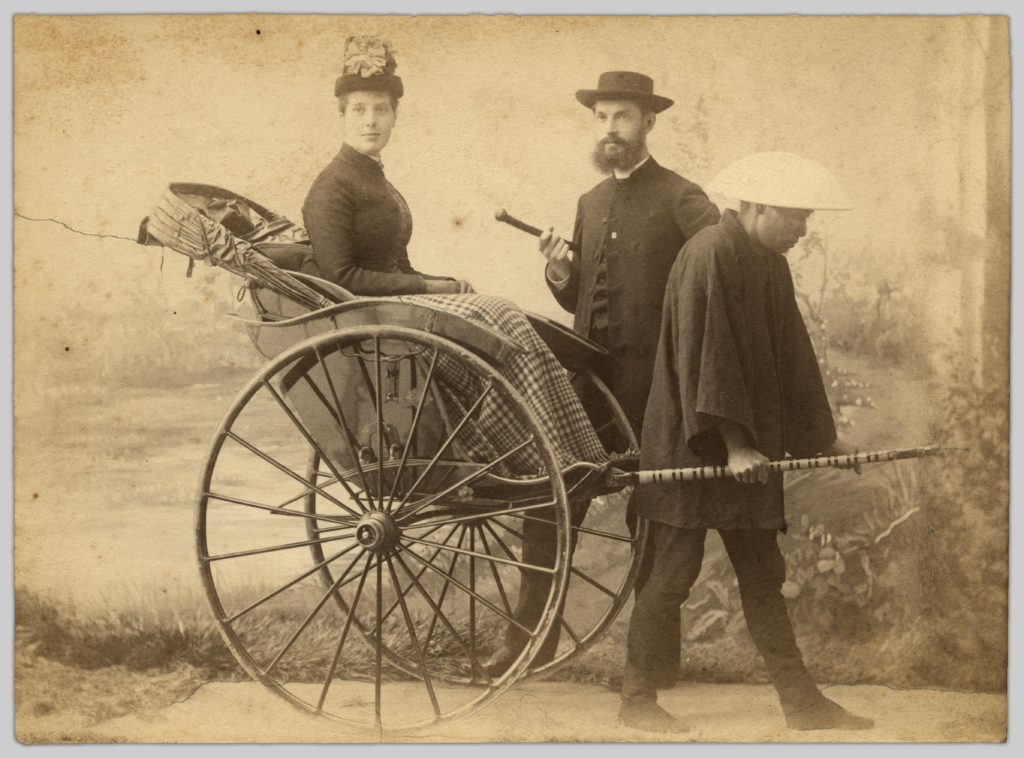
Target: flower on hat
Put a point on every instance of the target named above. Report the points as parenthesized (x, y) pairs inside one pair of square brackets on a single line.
[(368, 55)]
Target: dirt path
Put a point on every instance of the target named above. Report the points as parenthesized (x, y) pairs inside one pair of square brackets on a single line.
[(566, 712)]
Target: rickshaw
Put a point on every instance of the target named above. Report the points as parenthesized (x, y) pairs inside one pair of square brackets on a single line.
[(360, 533), (374, 495)]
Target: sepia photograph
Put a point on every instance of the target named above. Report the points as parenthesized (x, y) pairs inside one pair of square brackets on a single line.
[(511, 379)]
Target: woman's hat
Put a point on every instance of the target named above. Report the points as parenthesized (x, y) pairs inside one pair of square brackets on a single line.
[(369, 65), (785, 180), (624, 85)]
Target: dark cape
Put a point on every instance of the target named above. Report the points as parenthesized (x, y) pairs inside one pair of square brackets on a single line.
[(734, 346)]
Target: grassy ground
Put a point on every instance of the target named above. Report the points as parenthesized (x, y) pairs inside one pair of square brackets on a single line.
[(55, 701)]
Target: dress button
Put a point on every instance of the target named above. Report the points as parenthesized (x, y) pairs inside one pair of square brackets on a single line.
[(615, 235)]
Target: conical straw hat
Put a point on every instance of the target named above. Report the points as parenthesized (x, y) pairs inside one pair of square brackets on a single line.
[(785, 180)]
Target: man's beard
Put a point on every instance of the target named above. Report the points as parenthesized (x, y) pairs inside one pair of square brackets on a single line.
[(619, 160)]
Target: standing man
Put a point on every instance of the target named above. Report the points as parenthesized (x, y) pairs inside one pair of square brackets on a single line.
[(736, 383), (630, 228)]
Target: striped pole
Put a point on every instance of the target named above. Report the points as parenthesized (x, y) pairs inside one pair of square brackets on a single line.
[(698, 473)]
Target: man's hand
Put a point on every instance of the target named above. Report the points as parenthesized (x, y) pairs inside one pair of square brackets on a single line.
[(556, 250), (747, 465), (465, 288), (843, 447)]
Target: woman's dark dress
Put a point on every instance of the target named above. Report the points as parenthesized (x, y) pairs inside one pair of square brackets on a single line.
[(359, 227)]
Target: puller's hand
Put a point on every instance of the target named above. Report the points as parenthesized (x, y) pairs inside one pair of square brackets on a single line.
[(747, 465), (844, 447)]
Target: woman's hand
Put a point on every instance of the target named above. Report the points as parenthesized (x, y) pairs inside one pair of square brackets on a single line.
[(448, 287), (556, 250), (441, 286)]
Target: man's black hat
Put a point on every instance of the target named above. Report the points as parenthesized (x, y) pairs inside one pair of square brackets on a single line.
[(624, 85)]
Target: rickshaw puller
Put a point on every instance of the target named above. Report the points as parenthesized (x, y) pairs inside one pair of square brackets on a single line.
[(736, 383)]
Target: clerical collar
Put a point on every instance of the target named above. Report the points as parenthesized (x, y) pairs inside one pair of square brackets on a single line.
[(626, 174)]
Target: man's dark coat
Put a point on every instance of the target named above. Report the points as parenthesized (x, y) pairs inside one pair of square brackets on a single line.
[(658, 211)]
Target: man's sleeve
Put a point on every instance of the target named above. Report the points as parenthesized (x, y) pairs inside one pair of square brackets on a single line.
[(567, 293), (327, 215), (694, 210), (708, 365)]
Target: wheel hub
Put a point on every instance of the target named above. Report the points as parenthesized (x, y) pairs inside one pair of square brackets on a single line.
[(377, 532)]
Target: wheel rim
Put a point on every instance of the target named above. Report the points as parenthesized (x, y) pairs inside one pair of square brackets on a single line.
[(410, 570)]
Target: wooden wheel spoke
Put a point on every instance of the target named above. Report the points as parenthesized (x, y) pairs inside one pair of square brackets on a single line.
[(379, 407), (350, 439), (288, 472), (472, 589), (425, 390), (482, 517), (484, 601), (415, 642), (342, 520), (444, 588), (461, 483), (309, 618), (494, 572), (344, 632), (275, 548), (575, 571), (291, 583), (474, 662), (580, 529), (499, 540), (593, 582), (487, 557), (419, 574), (448, 441), (316, 446), (572, 634), (379, 647)]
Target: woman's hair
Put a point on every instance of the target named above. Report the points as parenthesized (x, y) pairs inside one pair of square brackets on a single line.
[(343, 101)]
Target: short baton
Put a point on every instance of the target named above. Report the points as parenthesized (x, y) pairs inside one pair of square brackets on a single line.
[(522, 226)]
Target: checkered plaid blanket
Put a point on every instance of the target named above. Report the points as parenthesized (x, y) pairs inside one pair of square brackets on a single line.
[(535, 373)]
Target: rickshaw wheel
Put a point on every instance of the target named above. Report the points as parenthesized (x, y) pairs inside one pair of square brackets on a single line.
[(607, 548), (413, 542)]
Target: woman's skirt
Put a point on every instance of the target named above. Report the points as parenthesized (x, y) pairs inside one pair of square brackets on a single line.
[(535, 373)]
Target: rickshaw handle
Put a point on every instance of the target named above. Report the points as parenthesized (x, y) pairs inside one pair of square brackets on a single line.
[(660, 476)]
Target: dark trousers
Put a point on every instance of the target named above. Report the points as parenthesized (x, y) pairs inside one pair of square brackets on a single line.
[(671, 565), (539, 548)]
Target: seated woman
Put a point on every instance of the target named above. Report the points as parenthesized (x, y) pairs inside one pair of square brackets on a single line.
[(359, 227)]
